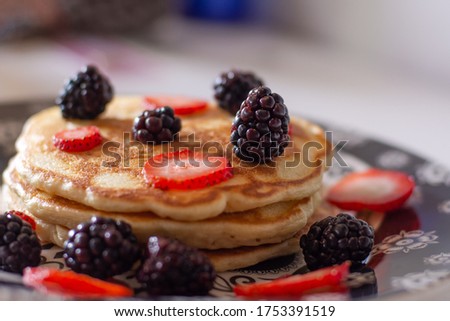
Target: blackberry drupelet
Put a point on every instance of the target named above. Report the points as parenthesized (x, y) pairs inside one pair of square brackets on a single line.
[(172, 268), (19, 244), (85, 96), (232, 87), (260, 129), (334, 240), (158, 126), (101, 248)]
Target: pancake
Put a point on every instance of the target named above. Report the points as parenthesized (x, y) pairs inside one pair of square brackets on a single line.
[(91, 178), (273, 223), (222, 259), (232, 259), (225, 260)]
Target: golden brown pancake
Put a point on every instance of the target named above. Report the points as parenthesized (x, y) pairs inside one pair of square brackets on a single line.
[(85, 178), (273, 223), (222, 259)]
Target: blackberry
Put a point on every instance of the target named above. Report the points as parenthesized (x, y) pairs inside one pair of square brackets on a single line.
[(172, 268), (334, 240), (232, 87), (260, 129), (158, 126), (101, 248), (19, 244), (85, 96)]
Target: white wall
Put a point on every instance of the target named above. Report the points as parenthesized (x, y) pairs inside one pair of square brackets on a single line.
[(413, 35)]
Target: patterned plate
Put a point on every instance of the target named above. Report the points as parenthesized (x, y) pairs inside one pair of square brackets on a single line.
[(412, 251)]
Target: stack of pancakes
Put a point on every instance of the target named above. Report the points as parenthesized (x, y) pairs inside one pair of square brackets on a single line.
[(256, 215)]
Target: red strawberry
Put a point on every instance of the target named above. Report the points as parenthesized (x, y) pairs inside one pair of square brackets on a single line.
[(77, 140), (186, 170), (329, 279), (69, 283), (374, 189), (24, 217), (180, 105)]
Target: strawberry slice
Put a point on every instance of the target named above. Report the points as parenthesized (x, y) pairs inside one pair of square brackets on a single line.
[(77, 140), (329, 279), (374, 190), (69, 283), (186, 170), (181, 105), (24, 217)]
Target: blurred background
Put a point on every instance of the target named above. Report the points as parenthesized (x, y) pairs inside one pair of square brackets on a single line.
[(380, 67)]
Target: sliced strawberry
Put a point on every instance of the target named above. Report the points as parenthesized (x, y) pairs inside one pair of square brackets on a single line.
[(186, 170), (329, 279), (374, 190), (181, 105), (69, 283), (77, 140), (24, 217)]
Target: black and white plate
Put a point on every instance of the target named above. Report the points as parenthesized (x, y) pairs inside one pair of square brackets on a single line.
[(412, 252)]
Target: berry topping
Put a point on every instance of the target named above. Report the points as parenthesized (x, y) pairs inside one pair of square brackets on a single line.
[(77, 140), (69, 283), (85, 96), (374, 189), (180, 105), (173, 268), (334, 240), (157, 126), (330, 279), (101, 248), (186, 170), (19, 244), (24, 217), (260, 129), (231, 88)]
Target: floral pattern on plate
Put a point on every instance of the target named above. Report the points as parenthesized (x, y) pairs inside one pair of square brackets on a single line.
[(444, 207), (437, 259), (393, 159), (433, 174), (419, 280), (405, 242)]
